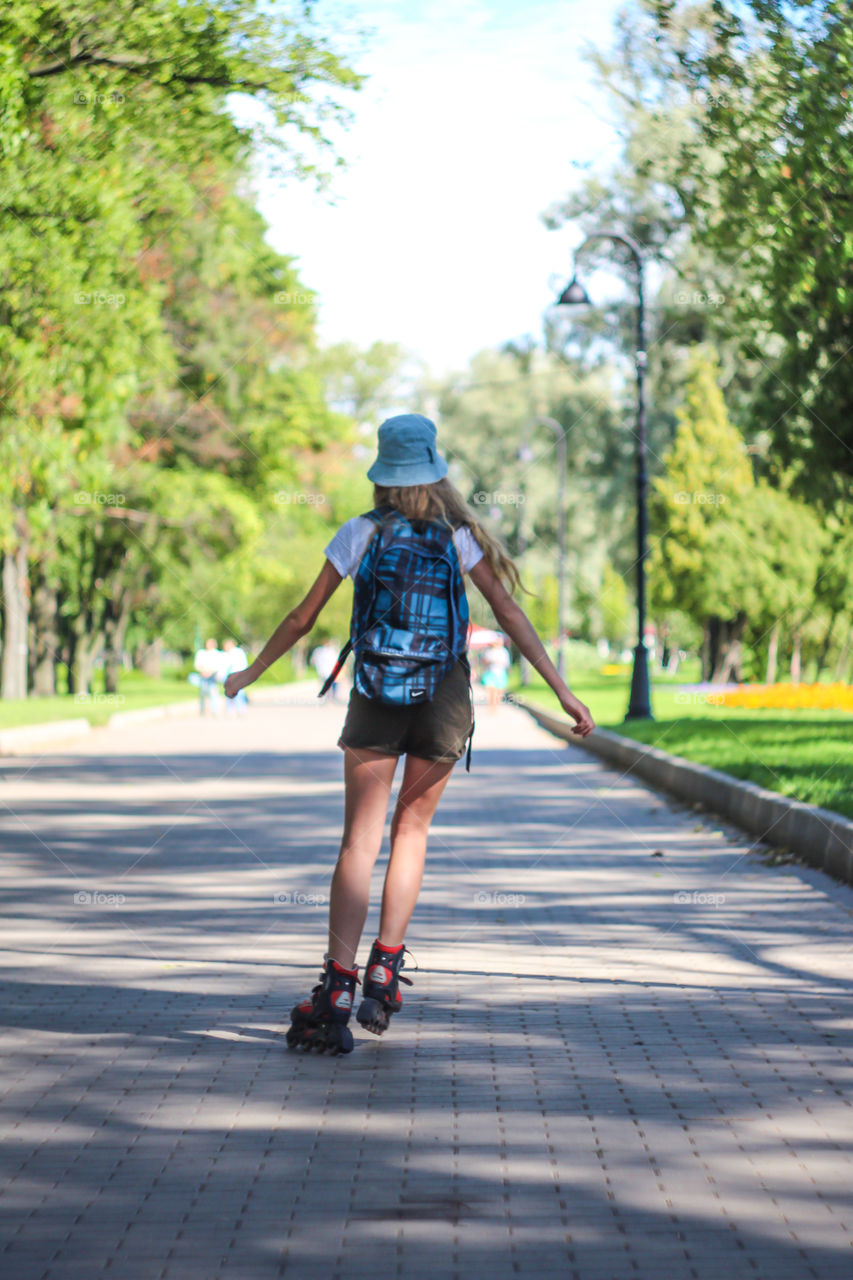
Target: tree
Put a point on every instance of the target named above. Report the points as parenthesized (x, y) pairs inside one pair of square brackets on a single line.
[(363, 383), (696, 521), (833, 595), (777, 574), (615, 607), (722, 548), (659, 114), (721, 112), (117, 150), (777, 79), (505, 461)]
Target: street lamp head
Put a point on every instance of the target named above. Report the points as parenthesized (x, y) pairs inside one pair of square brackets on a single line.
[(574, 295)]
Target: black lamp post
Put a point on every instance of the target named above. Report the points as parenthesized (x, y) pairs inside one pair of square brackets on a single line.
[(639, 705)]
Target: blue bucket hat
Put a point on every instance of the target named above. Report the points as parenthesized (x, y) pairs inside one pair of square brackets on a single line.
[(407, 453)]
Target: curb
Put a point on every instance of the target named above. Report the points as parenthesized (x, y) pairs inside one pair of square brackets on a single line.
[(18, 742), (820, 837), (125, 719)]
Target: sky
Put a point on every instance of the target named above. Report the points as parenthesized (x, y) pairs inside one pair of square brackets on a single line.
[(477, 116)]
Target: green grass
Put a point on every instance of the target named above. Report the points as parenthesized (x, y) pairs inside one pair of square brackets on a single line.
[(807, 755), (135, 692)]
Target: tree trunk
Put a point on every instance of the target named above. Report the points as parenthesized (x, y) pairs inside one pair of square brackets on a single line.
[(843, 657), (16, 602), (87, 649), (732, 664), (112, 660), (715, 645), (150, 658), (772, 654), (116, 619), (710, 637), (45, 640), (69, 660), (796, 658), (825, 647), (729, 650)]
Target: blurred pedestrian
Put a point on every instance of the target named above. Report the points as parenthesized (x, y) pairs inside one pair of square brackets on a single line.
[(323, 661), (234, 659), (495, 671), (208, 665)]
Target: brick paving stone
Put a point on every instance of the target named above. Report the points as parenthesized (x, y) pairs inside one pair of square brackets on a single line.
[(610, 1067)]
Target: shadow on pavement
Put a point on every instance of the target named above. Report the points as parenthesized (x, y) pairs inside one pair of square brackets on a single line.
[(161, 1124)]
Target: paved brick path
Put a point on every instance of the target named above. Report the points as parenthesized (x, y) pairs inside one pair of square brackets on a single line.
[(612, 1064)]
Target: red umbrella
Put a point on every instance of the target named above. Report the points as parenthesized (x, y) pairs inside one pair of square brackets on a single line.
[(481, 637)]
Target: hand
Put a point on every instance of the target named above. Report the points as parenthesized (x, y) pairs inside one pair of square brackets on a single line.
[(237, 681), (584, 723)]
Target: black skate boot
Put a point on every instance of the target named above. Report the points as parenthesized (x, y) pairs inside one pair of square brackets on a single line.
[(380, 986), (320, 1020)]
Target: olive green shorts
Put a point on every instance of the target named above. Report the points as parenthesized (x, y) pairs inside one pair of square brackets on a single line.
[(435, 730)]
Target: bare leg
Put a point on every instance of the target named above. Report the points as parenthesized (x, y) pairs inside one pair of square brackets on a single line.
[(368, 776), (423, 783)]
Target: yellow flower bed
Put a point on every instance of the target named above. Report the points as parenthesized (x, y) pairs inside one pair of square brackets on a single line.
[(789, 697), (616, 669)]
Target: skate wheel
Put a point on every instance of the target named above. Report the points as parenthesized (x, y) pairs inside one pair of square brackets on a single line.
[(341, 1040), (295, 1036), (327, 1037), (373, 1016)]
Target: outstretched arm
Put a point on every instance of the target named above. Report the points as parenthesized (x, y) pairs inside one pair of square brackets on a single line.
[(297, 624), (512, 619)]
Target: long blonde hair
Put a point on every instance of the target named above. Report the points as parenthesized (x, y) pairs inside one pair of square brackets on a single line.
[(442, 501)]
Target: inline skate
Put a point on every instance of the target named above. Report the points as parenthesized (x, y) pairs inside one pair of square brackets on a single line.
[(381, 987), (320, 1020)]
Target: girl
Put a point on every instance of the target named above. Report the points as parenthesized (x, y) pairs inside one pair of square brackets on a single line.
[(409, 481)]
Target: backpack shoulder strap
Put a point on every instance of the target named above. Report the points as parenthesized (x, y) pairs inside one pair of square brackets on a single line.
[(378, 516)]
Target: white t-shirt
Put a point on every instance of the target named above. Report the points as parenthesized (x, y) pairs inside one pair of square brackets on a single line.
[(323, 659), (350, 542), (497, 657), (234, 660), (208, 663)]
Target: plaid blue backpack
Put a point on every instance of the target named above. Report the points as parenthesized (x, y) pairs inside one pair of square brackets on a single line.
[(410, 612)]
